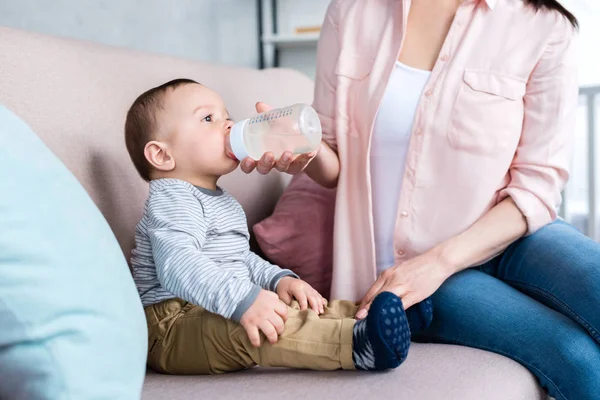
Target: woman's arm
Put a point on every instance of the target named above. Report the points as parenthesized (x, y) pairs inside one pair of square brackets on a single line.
[(325, 167), (539, 170), (487, 238), (540, 167), (419, 277)]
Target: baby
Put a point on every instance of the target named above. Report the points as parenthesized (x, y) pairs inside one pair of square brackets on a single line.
[(208, 298)]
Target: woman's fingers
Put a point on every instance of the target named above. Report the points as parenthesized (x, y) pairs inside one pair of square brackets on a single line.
[(400, 291), (363, 310), (265, 165), (300, 162), (409, 300), (284, 162), (262, 107), (366, 301), (248, 165)]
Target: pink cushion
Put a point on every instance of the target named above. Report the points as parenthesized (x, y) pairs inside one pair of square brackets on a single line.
[(299, 234)]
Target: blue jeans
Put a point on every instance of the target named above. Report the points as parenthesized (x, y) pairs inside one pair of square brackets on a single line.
[(537, 303)]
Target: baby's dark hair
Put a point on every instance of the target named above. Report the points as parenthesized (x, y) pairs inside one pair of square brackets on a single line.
[(141, 124)]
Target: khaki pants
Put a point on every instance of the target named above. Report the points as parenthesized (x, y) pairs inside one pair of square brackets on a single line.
[(187, 339)]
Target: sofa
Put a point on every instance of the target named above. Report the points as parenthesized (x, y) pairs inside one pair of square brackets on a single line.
[(75, 95)]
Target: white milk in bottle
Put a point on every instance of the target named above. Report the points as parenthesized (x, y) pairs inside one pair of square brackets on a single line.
[(296, 129)]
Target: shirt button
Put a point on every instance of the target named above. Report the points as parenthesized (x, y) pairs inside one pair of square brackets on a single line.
[(444, 58), (400, 252), (419, 131), (429, 93), (404, 214)]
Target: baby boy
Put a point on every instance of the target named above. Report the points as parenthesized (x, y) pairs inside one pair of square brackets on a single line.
[(209, 300)]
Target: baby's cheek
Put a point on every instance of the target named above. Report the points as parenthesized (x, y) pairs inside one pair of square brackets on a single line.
[(209, 148)]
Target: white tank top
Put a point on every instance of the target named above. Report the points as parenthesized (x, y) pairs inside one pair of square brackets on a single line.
[(389, 146)]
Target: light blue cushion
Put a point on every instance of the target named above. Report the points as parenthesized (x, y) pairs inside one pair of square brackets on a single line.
[(71, 323)]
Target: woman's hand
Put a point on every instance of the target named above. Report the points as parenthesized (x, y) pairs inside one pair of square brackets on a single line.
[(418, 278), (412, 281), (285, 163)]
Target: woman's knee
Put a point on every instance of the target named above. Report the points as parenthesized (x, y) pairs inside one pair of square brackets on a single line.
[(570, 264), (562, 239)]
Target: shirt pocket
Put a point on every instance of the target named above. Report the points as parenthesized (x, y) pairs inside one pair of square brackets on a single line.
[(352, 74), (487, 115)]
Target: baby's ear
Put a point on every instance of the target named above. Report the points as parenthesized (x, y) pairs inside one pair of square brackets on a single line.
[(159, 156)]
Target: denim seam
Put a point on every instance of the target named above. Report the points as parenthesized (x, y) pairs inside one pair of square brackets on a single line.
[(525, 363), (562, 305)]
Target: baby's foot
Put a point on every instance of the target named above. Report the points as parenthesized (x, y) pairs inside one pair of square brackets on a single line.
[(420, 315), (381, 341)]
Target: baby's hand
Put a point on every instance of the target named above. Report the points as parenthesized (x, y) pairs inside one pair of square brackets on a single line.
[(289, 288), (267, 314)]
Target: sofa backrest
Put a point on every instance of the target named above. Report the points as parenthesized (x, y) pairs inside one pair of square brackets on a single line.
[(75, 96)]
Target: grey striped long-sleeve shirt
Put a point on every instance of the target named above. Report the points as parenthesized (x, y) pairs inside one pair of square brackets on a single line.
[(193, 243)]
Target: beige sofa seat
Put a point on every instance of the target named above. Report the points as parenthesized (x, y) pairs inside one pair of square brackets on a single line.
[(75, 96)]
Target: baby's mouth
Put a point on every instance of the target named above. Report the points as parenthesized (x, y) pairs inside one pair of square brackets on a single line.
[(228, 150), (230, 154)]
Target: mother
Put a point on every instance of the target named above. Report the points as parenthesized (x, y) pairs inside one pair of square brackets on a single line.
[(447, 127)]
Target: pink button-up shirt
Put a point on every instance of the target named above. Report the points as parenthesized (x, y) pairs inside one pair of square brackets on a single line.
[(495, 120)]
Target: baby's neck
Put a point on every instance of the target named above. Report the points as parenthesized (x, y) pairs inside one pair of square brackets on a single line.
[(209, 183), (206, 182)]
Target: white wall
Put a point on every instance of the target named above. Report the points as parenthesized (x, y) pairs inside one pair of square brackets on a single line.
[(294, 13), (223, 31), (588, 14)]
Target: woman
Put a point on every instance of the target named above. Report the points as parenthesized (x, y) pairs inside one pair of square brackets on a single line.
[(447, 127)]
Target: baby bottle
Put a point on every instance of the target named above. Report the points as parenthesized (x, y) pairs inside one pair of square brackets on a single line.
[(296, 129)]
